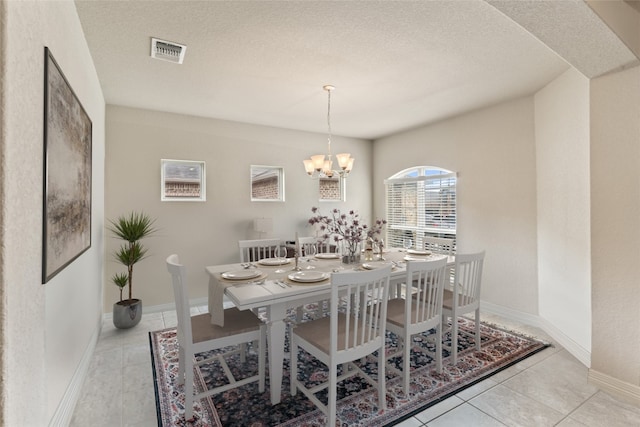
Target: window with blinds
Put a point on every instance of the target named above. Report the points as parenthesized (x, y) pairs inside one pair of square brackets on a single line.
[(421, 202)]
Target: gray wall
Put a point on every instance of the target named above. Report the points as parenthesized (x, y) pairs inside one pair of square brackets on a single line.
[(615, 225), (564, 239), (47, 331), (493, 152), (206, 233)]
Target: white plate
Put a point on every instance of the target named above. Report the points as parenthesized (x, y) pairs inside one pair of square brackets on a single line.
[(308, 276), (274, 261), (418, 252), (375, 264), (327, 256), (414, 258), (241, 274)]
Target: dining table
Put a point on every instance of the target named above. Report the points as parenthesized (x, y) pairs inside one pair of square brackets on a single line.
[(274, 286)]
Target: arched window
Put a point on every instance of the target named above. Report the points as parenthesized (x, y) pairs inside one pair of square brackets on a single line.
[(421, 201)]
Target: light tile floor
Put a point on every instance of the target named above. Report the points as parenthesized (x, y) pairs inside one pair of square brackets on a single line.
[(547, 389)]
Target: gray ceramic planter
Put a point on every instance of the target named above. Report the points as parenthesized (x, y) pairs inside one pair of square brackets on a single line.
[(127, 314)]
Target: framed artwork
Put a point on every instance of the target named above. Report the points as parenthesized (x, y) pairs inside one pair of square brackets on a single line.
[(67, 173), (183, 180), (331, 189), (267, 184)]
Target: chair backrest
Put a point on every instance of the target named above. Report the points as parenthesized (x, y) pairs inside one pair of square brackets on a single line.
[(439, 245), (427, 279), (467, 279), (327, 245), (179, 278), (255, 250), (359, 299), (304, 245)]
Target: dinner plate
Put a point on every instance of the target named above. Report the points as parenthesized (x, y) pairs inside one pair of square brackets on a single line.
[(414, 258), (274, 261), (327, 256), (418, 252), (241, 274), (375, 264), (308, 276)]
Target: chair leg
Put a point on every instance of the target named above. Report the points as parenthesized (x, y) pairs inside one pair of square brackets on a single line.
[(299, 314), (382, 379), (262, 354), (333, 386), (181, 370), (439, 348), (406, 363), (243, 353), (454, 340), (188, 388), (478, 329), (293, 366)]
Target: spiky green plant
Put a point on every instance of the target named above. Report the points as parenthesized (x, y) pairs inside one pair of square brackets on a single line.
[(120, 280), (131, 229)]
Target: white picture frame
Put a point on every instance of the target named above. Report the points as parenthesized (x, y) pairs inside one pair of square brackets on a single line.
[(183, 181), (267, 183), (331, 189)]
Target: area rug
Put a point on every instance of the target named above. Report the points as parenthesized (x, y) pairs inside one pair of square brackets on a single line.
[(357, 400)]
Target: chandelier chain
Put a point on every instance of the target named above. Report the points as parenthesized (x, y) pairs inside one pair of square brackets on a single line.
[(329, 121), (321, 165)]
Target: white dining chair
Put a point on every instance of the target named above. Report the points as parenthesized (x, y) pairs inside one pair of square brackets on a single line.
[(419, 311), (307, 246), (354, 329), (255, 250), (439, 245), (196, 334), (464, 297)]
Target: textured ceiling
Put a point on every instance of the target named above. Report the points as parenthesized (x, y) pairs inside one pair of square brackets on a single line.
[(395, 65)]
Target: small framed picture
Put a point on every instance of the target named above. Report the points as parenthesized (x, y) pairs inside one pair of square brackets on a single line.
[(183, 181), (267, 184), (331, 189)]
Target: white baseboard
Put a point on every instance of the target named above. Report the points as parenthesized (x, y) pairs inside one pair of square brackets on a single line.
[(166, 307), (519, 316), (64, 412), (579, 352), (615, 386)]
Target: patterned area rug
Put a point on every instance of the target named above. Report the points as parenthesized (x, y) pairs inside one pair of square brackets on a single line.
[(357, 400)]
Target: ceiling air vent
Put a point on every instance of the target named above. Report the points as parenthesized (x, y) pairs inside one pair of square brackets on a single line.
[(168, 51)]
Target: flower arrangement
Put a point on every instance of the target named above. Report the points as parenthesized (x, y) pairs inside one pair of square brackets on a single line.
[(346, 228)]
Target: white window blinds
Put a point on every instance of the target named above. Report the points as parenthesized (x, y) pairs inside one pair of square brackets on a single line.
[(421, 202)]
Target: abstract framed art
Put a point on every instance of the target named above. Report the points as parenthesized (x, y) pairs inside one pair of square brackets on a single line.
[(66, 227)]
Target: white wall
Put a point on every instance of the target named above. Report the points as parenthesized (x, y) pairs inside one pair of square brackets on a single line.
[(46, 329), (564, 249), (206, 233), (615, 227), (493, 151)]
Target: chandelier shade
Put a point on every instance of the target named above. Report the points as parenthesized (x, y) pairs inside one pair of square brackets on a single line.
[(321, 165)]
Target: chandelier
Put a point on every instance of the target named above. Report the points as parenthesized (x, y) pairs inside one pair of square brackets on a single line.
[(320, 165)]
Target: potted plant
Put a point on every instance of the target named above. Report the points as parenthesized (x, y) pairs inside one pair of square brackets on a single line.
[(131, 229)]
